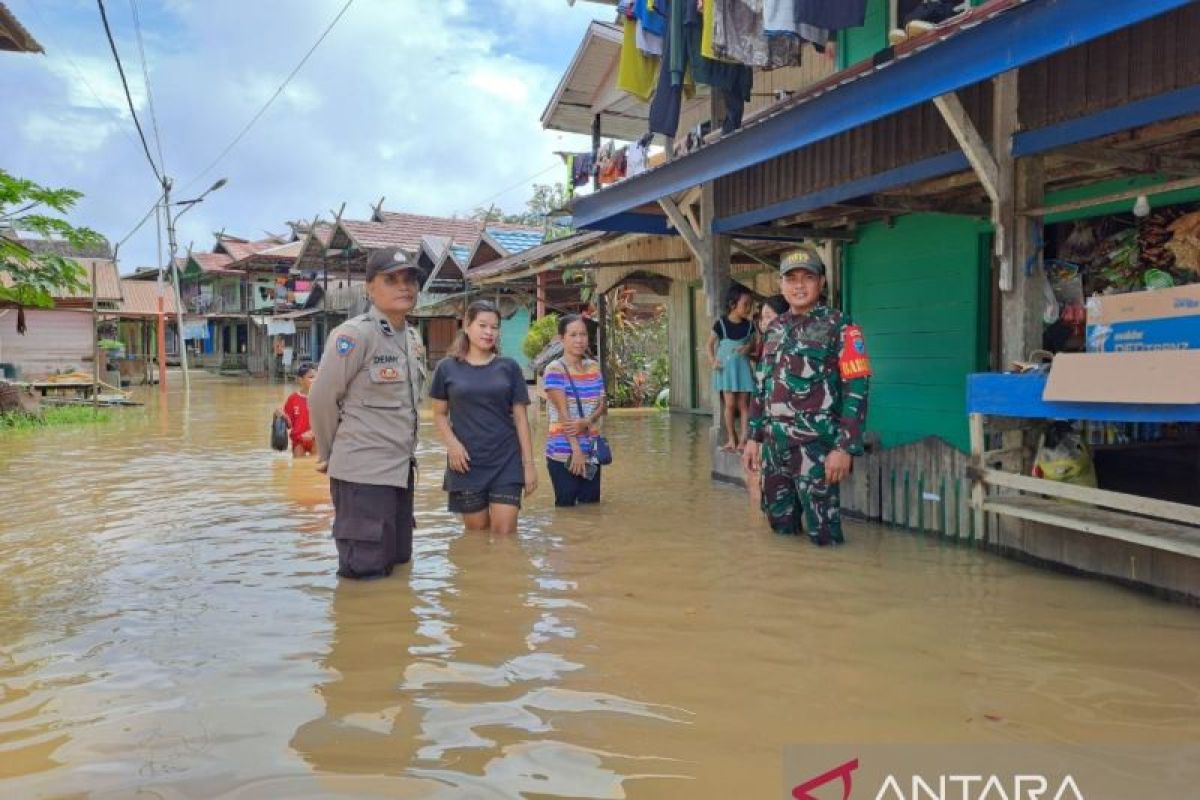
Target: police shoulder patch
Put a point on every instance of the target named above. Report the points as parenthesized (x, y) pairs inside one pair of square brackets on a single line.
[(344, 345)]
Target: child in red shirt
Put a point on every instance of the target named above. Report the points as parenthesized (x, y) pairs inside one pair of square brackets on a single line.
[(295, 411)]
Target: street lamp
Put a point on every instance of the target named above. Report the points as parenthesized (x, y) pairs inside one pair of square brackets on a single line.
[(189, 204)]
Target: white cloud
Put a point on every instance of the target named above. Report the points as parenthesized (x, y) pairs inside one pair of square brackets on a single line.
[(435, 105)]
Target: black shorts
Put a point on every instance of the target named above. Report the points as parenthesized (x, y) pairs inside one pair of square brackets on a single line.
[(471, 501)]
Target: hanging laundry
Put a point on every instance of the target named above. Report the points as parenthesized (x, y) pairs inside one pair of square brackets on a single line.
[(581, 168), (735, 81), (651, 17), (833, 15), (611, 164), (664, 108), (738, 33), (639, 156), (636, 71)]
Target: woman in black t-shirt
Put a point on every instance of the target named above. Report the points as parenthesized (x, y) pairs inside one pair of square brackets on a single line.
[(479, 409)]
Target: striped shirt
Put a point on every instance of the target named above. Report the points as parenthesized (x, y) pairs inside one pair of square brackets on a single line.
[(590, 385)]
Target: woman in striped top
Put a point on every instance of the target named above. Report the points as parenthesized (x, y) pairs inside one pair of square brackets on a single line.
[(575, 391)]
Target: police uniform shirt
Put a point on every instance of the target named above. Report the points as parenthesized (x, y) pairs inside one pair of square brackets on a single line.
[(364, 403)]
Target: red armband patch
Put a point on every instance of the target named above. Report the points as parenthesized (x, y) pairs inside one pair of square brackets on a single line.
[(853, 362)]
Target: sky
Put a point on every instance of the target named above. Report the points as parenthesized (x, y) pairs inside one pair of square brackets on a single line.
[(434, 105)]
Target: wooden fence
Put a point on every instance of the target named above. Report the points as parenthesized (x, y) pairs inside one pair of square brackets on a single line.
[(921, 486)]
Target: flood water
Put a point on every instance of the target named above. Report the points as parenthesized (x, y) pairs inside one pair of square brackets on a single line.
[(171, 627)]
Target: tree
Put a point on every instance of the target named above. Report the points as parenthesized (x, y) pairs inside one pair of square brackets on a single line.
[(547, 202), (31, 278)]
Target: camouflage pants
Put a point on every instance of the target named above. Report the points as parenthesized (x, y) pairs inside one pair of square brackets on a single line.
[(793, 486)]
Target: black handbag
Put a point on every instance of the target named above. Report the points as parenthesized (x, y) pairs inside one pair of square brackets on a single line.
[(279, 433), (601, 451)]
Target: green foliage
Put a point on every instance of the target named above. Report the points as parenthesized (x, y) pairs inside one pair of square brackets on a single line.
[(540, 333), (110, 344), (548, 201), (53, 416), (34, 278), (638, 367)]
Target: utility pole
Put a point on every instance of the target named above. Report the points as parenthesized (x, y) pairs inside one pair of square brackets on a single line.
[(171, 248), (161, 330)]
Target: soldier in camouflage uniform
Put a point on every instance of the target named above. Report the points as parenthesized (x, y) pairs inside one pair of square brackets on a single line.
[(807, 418)]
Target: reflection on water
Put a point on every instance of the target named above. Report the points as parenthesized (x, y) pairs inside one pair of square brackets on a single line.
[(170, 626)]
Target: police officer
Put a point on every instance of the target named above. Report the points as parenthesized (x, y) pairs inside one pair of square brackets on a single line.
[(363, 409), (807, 418)]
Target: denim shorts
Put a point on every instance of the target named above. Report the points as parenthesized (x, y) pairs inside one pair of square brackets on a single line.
[(471, 501)]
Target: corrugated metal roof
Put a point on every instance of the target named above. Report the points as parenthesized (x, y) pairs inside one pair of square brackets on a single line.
[(141, 299), (461, 252), (405, 230), (515, 240), (108, 282), (531, 255)]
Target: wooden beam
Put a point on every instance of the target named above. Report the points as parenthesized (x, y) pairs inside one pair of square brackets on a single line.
[(1128, 194), (1007, 233), (1136, 504), (972, 144), (786, 233), (1125, 159), (690, 235), (909, 204)]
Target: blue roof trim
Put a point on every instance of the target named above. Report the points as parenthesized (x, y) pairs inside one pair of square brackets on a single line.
[(631, 222), (1132, 115), (1020, 36), (935, 167), (1104, 123)]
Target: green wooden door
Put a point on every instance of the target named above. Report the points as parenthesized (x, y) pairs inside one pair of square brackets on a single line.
[(920, 293), (512, 336)]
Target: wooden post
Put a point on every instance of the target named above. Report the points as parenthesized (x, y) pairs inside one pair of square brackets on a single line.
[(95, 345), (978, 445), (595, 152)]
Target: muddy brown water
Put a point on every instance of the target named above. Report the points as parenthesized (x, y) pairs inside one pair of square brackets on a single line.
[(171, 627)]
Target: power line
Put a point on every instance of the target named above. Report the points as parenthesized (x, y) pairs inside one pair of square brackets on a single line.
[(128, 97), (82, 76), (279, 91), (137, 26), (516, 185), (138, 227)]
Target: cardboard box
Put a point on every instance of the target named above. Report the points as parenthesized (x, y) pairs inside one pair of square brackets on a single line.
[(1160, 319), (1161, 377)]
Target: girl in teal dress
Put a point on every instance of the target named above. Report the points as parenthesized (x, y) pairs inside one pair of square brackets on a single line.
[(729, 348)]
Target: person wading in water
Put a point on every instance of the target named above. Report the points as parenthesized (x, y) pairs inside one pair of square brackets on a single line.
[(806, 421), (575, 400), (363, 407), (480, 409)]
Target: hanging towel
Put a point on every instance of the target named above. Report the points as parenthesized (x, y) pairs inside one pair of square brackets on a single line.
[(636, 71)]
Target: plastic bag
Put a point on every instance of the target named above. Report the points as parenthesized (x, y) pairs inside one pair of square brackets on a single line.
[(1064, 456), (279, 433)]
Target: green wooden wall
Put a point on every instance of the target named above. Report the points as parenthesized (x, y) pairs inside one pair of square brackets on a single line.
[(919, 291), (858, 44)]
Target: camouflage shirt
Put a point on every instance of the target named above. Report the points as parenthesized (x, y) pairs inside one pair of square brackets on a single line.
[(813, 380)]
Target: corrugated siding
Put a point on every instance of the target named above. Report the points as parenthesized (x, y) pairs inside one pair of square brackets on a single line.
[(1157, 56), (55, 341), (915, 289), (894, 141)]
